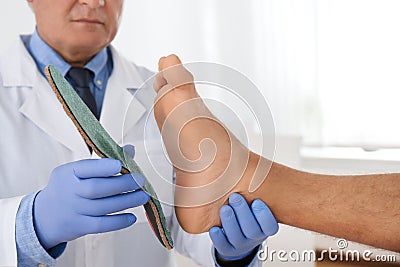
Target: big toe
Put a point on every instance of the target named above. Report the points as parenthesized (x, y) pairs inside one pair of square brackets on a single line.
[(173, 72), (169, 61)]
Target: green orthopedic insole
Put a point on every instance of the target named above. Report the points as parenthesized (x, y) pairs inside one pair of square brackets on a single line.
[(104, 146)]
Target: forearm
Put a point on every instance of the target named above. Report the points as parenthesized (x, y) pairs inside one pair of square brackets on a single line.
[(362, 208)]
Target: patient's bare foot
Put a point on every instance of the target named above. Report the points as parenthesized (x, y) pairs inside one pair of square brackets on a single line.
[(209, 161)]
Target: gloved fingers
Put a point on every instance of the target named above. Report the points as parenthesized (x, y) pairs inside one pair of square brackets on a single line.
[(248, 223), (107, 223), (89, 168), (265, 218), (107, 205), (109, 186), (220, 241), (231, 226), (130, 150)]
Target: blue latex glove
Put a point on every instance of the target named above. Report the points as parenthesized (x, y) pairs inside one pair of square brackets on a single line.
[(243, 229), (130, 150), (78, 198)]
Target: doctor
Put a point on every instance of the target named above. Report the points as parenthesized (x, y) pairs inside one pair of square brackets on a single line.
[(54, 205)]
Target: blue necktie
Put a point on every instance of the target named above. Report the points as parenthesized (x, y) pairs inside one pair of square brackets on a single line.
[(81, 78)]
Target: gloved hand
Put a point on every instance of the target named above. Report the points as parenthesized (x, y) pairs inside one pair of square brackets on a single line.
[(243, 229), (78, 198)]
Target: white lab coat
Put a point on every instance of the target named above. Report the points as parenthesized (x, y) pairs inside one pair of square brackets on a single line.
[(37, 136)]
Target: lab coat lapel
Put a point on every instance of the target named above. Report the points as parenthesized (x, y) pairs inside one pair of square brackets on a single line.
[(43, 109), (41, 105), (120, 98)]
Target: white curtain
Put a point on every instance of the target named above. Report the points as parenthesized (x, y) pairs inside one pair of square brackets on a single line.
[(358, 72), (286, 64)]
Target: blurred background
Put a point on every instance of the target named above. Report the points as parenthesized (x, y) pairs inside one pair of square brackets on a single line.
[(329, 70)]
